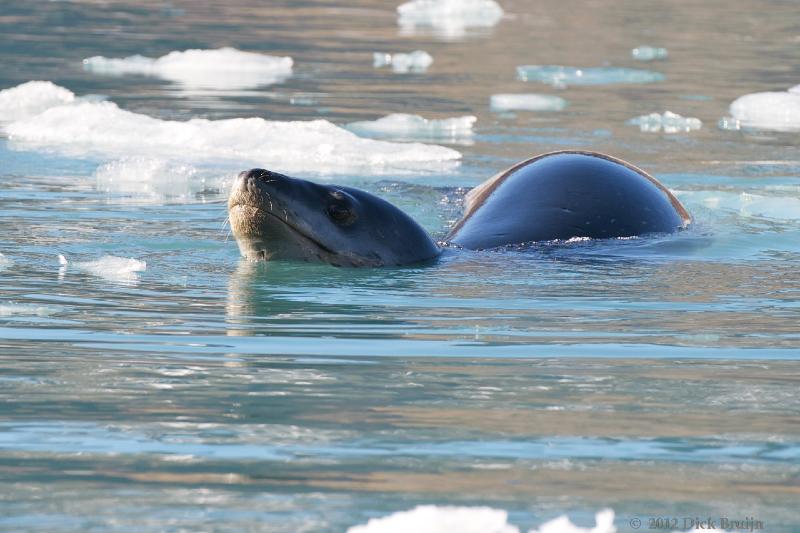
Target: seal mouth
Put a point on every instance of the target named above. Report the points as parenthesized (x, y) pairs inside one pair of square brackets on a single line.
[(254, 211)]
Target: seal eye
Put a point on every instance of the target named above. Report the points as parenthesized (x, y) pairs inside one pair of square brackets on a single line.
[(341, 214)]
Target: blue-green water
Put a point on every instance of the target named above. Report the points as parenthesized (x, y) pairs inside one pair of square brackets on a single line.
[(655, 376)]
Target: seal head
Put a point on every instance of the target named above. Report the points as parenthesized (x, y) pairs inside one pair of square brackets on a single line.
[(274, 216), (561, 195)]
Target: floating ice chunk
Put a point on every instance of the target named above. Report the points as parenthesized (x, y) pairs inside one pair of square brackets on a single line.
[(649, 53), (102, 128), (774, 111), (415, 127), (109, 267), (417, 61), (31, 98), (220, 69), (561, 76), (780, 205), (527, 102), (668, 121), (774, 207), (444, 519), (729, 123), (604, 524), (795, 89), (5, 262), (152, 178), (448, 18), (17, 309)]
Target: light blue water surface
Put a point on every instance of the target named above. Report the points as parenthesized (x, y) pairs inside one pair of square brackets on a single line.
[(656, 376)]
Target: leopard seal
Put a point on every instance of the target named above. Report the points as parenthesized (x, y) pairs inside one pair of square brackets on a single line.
[(274, 216), (553, 196)]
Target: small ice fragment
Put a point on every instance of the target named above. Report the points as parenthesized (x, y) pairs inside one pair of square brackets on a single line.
[(527, 102), (448, 18), (416, 61), (729, 123), (31, 98), (779, 205), (649, 53), (440, 519), (303, 99), (220, 69), (17, 309), (774, 111), (414, 126), (5, 262), (669, 122), (561, 76), (110, 267)]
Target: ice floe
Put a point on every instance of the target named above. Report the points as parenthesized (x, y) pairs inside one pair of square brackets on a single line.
[(89, 128), (448, 18), (109, 267), (405, 126), (773, 111), (446, 519), (152, 178), (5, 262), (220, 69), (668, 122), (526, 102), (31, 98), (416, 61), (562, 76), (649, 53)]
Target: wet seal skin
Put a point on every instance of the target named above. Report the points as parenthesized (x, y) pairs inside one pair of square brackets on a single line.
[(274, 217), (558, 195), (566, 194)]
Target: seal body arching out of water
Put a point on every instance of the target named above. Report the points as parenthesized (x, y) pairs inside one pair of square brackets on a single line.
[(561, 195), (558, 195)]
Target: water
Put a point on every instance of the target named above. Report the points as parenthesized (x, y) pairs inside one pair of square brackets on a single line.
[(657, 376)]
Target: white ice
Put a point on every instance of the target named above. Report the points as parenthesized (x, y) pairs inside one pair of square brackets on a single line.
[(448, 18), (109, 267), (31, 98), (778, 205), (527, 102), (220, 69), (5, 262), (649, 53), (416, 61), (17, 309), (773, 111), (668, 121), (604, 524), (562, 76), (447, 519), (142, 179), (103, 129), (435, 519), (415, 127)]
